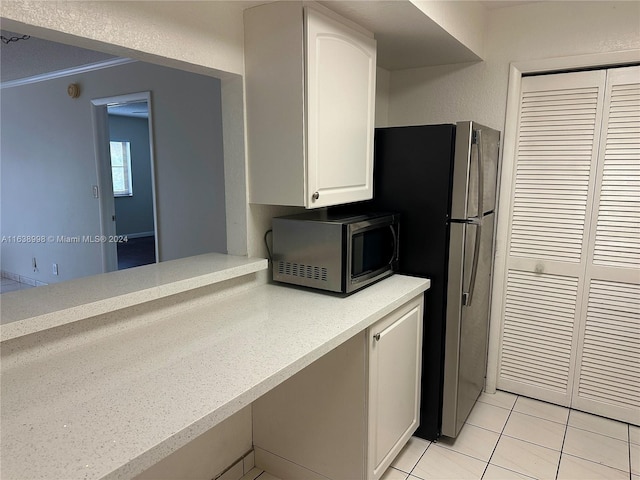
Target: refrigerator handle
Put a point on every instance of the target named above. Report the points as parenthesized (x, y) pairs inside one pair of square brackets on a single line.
[(467, 295), (478, 142)]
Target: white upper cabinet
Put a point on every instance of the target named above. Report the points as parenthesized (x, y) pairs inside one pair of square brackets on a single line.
[(310, 90)]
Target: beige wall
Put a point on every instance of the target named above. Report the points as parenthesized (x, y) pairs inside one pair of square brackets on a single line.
[(478, 91)]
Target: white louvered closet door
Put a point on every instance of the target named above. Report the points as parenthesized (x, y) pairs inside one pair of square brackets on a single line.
[(570, 331), (608, 358), (556, 153)]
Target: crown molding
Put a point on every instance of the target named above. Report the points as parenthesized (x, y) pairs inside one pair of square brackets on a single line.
[(66, 72)]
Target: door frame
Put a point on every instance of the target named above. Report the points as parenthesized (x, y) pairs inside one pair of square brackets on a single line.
[(105, 185), (516, 72)]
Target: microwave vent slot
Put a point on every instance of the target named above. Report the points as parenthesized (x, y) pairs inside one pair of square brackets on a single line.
[(305, 271)]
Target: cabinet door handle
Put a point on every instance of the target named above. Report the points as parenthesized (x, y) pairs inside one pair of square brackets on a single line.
[(315, 196), (378, 336)]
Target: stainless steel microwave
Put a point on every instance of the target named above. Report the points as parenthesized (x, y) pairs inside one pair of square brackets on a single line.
[(337, 252)]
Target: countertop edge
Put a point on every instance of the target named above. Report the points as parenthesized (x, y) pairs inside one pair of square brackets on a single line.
[(81, 311)]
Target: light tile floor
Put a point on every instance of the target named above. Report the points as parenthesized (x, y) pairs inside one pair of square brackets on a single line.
[(513, 437)]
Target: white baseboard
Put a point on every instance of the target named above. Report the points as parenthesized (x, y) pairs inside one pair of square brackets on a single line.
[(22, 279), (283, 468), (138, 235)]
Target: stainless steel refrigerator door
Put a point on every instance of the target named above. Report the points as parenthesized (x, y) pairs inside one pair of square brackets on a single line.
[(476, 155), (467, 326)]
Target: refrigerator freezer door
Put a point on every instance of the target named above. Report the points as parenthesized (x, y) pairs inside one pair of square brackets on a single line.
[(489, 147), (467, 326), (475, 170)]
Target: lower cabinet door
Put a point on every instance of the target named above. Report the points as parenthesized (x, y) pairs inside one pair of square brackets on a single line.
[(395, 346)]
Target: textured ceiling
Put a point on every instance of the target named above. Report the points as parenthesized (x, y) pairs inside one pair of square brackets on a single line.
[(406, 39)]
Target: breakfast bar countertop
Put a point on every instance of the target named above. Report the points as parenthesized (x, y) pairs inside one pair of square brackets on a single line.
[(111, 406), (36, 309)]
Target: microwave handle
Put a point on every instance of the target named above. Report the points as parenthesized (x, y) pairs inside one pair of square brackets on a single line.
[(395, 244)]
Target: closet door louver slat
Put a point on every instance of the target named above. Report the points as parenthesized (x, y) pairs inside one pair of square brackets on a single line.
[(610, 369), (552, 173), (538, 329), (617, 242)]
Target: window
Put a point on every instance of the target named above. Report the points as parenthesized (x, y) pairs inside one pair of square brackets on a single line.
[(121, 168)]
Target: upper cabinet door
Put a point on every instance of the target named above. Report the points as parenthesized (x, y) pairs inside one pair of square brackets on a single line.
[(340, 102)]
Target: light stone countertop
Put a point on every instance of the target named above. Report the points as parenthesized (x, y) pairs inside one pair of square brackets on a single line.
[(36, 309), (112, 406)]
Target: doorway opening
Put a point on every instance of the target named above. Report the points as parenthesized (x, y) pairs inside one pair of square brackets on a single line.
[(124, 152)]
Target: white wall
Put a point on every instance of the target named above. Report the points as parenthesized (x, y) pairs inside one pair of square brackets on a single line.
[(383, 79), (204, 34), (48, 167), (463, 20), (478, 91)]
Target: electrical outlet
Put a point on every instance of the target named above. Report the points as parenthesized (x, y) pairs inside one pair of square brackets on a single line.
[(55, 269)]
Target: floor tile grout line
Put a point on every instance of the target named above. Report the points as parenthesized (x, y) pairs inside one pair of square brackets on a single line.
[(500, 406), (545, 418), (532, 443), (499, 437), (598, 433), (542, 418), (564, 438), (464, 454), (629, 444), (431, 442), (595, 463)]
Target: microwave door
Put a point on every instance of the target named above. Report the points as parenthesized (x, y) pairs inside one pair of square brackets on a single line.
[(374, 253)]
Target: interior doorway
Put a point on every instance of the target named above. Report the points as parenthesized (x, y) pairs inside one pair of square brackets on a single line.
[(124, 153)]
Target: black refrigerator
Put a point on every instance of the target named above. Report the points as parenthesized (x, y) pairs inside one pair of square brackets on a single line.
[(442, 180)]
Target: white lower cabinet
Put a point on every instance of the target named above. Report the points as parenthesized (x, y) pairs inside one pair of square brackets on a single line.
[(347, 415), (395, 360)]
